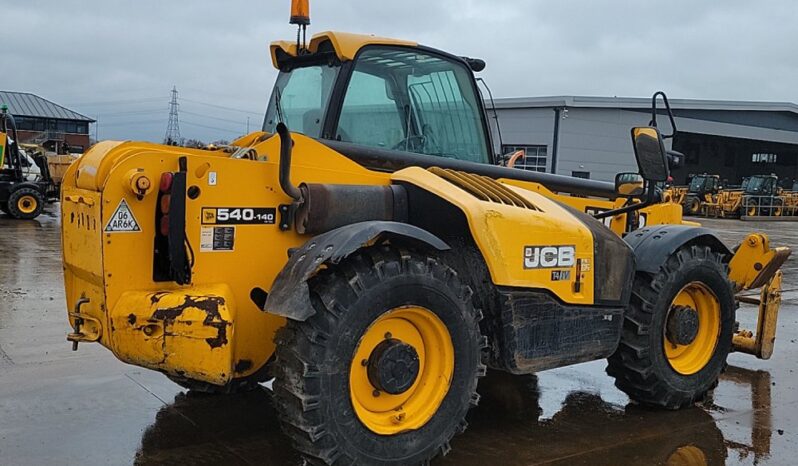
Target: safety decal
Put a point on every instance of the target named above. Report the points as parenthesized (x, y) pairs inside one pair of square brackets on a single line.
[(122, 220), (238, 215), (217, 239)]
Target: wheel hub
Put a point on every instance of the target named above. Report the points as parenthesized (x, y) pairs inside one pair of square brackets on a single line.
[(393, 366), (682, 325)]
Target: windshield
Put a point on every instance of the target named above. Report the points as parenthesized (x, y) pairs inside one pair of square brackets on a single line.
[(696, 184), (413, 101), (754, 185), (300, 98)]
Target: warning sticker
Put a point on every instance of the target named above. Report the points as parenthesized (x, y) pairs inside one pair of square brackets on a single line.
[(217, 238), (122, 220)]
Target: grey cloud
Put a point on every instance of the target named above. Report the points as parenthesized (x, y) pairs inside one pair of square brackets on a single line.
[(119, 59)]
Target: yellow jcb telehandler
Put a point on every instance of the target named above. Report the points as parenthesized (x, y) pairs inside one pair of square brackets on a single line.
[(365, 250)]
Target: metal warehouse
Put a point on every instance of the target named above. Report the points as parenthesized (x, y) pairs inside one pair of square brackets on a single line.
[(588, 137)]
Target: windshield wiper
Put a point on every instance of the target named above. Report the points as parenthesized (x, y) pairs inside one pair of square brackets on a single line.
[(278, 98)]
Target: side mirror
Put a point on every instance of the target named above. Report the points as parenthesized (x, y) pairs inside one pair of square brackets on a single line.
[(650, 152), (629, 184)]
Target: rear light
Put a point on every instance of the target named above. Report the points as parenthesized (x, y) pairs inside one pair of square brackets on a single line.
[(166, 182), (166, 199), (164, 226)]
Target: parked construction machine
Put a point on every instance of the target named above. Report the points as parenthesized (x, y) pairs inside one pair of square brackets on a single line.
[(700, 190), (24, 189), (759, 195), (365, 250)]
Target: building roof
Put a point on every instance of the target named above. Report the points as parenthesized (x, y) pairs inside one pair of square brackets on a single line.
[(645, 103), (25, 104)]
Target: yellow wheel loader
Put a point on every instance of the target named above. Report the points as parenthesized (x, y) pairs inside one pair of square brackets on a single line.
[(366, 251)]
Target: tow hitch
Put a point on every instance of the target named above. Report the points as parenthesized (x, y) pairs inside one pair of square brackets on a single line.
[(81, 320)]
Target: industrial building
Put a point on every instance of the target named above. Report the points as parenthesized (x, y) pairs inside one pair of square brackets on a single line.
[(589, 137), (40, 121)]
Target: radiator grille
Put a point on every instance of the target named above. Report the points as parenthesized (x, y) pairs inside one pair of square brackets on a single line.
[(483, 188)]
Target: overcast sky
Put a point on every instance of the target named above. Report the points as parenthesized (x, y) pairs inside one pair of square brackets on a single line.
[(116, 60)]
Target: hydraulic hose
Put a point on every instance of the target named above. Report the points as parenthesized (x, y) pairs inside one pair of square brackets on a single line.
[(286, 146)]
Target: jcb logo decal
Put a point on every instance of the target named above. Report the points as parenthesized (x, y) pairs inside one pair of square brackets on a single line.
[(547, 257)]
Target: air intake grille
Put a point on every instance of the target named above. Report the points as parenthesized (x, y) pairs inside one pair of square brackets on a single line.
[(483, 188)]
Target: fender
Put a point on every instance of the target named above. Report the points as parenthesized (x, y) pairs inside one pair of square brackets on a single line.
[(654, 245), (290, 296)]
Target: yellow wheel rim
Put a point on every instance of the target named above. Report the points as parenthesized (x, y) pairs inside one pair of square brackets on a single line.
[(751, 210), (27, 204), (691, 358), (388, 414), (687, 456), (695, 205)]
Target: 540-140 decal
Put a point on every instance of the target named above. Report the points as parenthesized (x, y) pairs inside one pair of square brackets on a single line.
[(238, 215)]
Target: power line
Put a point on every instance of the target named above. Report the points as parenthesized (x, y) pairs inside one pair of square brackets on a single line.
[(137, 122), (134, 112), (115, 102), (228, 130), (205, 115), (221, 106)]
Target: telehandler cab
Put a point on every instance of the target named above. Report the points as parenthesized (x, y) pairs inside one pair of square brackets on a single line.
[(365, 250)]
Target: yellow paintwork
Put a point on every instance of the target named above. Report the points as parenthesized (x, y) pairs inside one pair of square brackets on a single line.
[(114, 270), (502, 231), (346, 44), (3, 142), (753, 259), (105, 266), (760, 342), (689, 359), (27, 204), (388, 414)]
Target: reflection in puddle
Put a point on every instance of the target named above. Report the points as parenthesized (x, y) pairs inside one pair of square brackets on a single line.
[(205, 429), (762, 428), (506, 428)]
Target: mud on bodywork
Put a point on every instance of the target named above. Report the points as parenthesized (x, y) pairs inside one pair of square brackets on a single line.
[(208, 304), (181, 334)]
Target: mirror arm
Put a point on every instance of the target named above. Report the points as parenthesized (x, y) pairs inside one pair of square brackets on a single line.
[(650, 199)]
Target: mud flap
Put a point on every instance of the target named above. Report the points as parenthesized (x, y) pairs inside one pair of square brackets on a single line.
[(186, 333), (290, 296)]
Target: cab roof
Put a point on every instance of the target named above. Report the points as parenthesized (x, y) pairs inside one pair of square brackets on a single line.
[(345, 44)]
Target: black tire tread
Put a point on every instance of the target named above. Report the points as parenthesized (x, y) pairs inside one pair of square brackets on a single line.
[(299, 344), (12, 203), (632, 365)]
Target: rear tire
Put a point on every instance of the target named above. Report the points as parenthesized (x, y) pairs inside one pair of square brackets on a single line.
[(319, 365), (777, 208), (25, 203), (751, 208), (693, 206), (647, 366)]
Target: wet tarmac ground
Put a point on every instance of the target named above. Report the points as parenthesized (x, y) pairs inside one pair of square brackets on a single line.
[(63, 407)]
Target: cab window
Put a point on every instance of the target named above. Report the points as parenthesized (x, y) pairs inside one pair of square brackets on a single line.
[(412, 101)]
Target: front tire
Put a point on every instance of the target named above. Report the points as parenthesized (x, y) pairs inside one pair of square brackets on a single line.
[(677, 332), (329, 393), (25, 203)]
